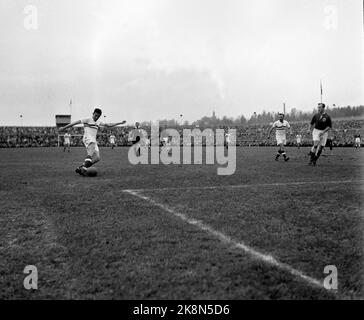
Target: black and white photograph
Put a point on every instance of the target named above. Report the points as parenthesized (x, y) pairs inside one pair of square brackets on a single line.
[(181, 155)]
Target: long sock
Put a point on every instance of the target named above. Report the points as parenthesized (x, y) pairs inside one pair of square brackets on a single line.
[(319, 153), (88, 162), (313, 152)]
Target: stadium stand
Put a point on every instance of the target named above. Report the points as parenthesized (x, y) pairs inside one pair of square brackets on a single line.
[(24, 137)]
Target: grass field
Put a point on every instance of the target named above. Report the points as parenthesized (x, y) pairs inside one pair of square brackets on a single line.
[(181, 231)]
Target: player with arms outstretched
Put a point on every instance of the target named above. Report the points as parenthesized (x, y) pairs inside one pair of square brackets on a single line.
[(91, 126), (281, 126)]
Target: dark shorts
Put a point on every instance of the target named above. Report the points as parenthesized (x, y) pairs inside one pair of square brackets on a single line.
[(137, 139)]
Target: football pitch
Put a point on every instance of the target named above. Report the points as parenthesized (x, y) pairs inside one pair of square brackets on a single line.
[(181, 231)]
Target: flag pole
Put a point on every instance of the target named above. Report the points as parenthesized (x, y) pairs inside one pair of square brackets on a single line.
[(71, 109), (320, 91)]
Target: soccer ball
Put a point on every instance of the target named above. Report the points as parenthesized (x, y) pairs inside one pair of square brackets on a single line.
[(91, 172)]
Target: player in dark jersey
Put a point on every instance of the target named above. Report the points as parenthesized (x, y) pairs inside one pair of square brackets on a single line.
[(135, 137), (320, 126), (329, 143)]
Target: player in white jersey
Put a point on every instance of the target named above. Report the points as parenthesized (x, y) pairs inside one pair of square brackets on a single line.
[(91, 126), (166, 144), (112, 141), (357, 143), (66, 142), (227, 139), (299, 140), (147, 142), (281, 126)]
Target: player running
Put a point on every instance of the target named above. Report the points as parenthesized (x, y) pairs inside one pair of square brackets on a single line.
[(281, 126), (320, 126), (112, 141), (66, 142), (91, 126)]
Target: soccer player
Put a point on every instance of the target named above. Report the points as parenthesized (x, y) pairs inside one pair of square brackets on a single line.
[(227, 139), (330, 143), (135, 137), (112, 141), (147, 142), (91, 126), (166, 144), (298, 140), (320, 126), (66, 142), (8, 141), (357, 143), (281, 126)]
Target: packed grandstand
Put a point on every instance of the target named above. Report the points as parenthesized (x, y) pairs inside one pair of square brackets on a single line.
[(342, 135)]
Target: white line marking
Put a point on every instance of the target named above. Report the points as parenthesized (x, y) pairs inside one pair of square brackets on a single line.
[(237, 186), (229, 241)]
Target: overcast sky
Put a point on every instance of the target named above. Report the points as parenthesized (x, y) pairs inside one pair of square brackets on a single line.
[(155, 59)]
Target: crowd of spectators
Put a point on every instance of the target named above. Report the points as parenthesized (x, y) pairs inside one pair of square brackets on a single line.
[(253, 135), (342, 134)]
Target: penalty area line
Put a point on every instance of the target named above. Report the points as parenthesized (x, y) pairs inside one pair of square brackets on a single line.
[(266, 258), (257, 185)]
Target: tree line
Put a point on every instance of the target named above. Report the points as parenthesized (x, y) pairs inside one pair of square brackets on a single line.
[(294, 115)]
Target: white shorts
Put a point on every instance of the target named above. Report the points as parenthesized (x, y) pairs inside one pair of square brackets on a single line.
[(357, 140), (281, 140), (298, 140), (87, 143), (316, 136), (66, 143)]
